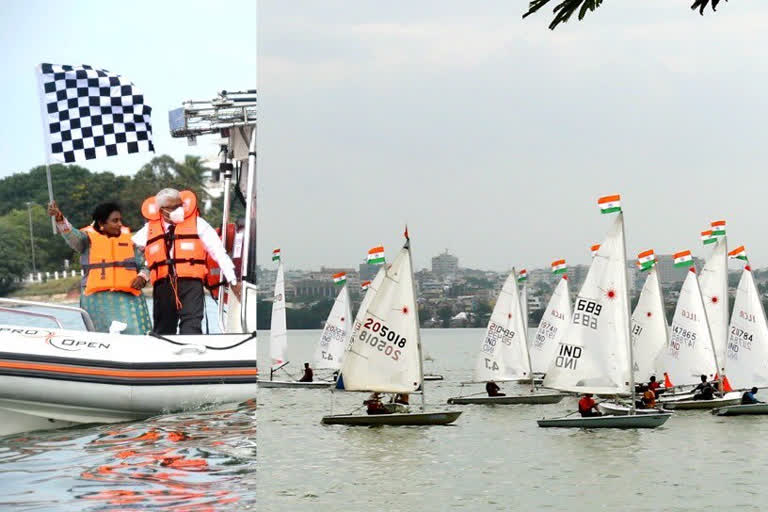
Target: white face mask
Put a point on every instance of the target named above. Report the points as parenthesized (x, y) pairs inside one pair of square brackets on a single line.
[(177, 215)]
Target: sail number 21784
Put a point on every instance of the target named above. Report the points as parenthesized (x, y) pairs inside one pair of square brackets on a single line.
[(382, 338)]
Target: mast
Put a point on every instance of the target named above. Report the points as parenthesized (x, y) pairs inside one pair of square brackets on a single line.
[(525, 334), (726, 305), (629, 321), (706, 321), (416, 316), (663, 311)]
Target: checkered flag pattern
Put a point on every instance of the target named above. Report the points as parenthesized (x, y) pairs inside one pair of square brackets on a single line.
[(92, 113)]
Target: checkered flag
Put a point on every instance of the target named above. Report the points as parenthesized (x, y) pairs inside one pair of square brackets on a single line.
[(91, 113)]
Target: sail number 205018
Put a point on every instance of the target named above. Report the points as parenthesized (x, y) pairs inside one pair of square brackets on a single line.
[(382, 338)]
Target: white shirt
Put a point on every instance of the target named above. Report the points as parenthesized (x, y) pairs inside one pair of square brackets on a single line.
[(211, 243)]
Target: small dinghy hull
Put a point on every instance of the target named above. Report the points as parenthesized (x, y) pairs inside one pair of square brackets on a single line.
[(740, 410), (433, 376), (636, 421), (622, 410), (534, 398), (421, 418), (294, 384), (683, 405)]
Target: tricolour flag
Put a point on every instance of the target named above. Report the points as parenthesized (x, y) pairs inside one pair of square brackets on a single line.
[(522, 275), (718, 228), (738, 253), (276, 255), (646, 260), (340, 278), (365, 285), (707, 237), (376, 255), (558, 267), (594, 249), (609, 204), (683, 259)]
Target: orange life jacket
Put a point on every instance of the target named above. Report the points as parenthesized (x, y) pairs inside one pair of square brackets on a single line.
[(213, 278), (110, 263), (189, 254)]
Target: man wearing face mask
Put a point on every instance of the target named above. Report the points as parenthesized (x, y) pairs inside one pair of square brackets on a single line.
[(176, 242)]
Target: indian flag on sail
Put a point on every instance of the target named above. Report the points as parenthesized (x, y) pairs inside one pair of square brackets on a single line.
[(646, 260), (707, 237), (738, 253), (376, 255), (595, 248), (609, 204), (276, 255), (558, 267), (365, 285), (522, 276), (683, 259), (718, 228), (340, 278)]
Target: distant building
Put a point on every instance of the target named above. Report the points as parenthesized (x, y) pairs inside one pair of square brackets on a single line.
[(668, 273), (445, 265), (368, 272)]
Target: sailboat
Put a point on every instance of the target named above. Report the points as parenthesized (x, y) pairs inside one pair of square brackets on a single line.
[(714, 290), (649, 330), (333, 340), (503, 355), (690, 352), (384, 354), (595, 353), (747, 352), (278, 337), (553, 323)]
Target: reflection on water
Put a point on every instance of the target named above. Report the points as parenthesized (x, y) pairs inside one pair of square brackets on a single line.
[(202, 461)]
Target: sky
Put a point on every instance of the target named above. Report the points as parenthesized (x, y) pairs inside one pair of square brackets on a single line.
[(489, 135)]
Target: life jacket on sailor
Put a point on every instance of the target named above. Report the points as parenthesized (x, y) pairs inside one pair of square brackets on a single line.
[(189, 254), (110, 262)]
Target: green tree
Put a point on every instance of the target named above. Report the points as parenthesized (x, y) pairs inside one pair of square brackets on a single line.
[(566, 8), (13, 255)]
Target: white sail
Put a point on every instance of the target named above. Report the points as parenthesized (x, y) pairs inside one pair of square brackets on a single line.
[(689, 352), (714, 290), (278, 333), (524, 304), (385, 354), (649, 328), (370, 293), (333, 340), (504, 352), (746, 361), (552, 327), (593, 356)]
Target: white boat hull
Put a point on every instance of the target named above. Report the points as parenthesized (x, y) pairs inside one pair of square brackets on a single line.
[(433, 376), (680, 405), (294, 384), (636, 421), (622, 410), (740, 410), (533, 398), (422, 418), (51, 378)]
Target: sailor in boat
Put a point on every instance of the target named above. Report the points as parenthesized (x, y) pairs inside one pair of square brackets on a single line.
[(749, 397), (308, 374), (493, 389), (704, 391), (177, 245), (655, 386), (114, 269), (374, 405), (648, 398), (588, 407)]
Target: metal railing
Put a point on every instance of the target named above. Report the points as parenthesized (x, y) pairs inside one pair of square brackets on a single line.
[(72, 309)]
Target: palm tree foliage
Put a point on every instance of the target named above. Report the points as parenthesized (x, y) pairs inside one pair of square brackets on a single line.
[(566, 8)]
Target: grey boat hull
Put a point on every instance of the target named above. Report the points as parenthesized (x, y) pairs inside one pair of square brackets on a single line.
[(294, 384), (433, 376), (684, 405), (740, 410), (534, 398), (422, 418), (636, 421)]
